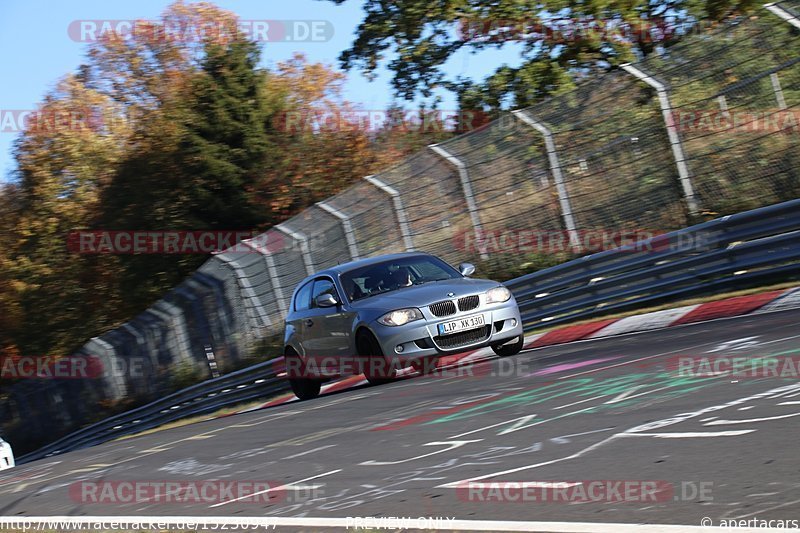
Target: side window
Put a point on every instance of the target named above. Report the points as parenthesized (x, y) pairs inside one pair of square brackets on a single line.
[(303, 299), (322, 286)]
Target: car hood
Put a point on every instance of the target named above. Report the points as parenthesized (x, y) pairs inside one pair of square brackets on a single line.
[(426, 294)]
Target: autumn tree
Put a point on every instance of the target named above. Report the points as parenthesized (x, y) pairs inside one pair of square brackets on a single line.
[(170, 135)]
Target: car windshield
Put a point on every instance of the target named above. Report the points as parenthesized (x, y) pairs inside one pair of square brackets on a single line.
[(395, 274)]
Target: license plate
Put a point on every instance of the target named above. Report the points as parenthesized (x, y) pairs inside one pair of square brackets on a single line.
[(462, 324)]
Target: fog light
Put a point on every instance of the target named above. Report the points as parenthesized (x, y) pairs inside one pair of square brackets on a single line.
[(398, 348), (513, 322)]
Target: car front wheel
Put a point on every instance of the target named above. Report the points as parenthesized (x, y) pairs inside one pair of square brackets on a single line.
[(304, 388), (377, 369), (511, 348)]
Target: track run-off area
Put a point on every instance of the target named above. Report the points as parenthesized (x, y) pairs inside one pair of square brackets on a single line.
[(591, 434)]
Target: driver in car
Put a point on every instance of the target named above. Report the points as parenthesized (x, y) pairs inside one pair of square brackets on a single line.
[(400, 278)]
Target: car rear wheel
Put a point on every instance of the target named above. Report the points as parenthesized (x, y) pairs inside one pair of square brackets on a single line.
[(377, 369), (511, 348), (304, 388)]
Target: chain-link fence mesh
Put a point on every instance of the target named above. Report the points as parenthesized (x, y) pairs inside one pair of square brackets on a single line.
[(372, 219), (706, 127), (508, 168), (614, 154), (735, 102)]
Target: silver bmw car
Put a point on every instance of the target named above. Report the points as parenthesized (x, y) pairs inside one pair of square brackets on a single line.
[(376, 316)]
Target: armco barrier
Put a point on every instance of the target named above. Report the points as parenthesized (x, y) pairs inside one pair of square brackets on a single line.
[(244, 385), (731, 252), (728, 253)]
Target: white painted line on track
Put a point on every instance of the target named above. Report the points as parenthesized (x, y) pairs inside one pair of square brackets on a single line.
[(273, 489), (749, 421), (579, 402), (309, 451), (451, 445), (626, 394), (695, 434), (520, 423), (522, 485), (632, 432)]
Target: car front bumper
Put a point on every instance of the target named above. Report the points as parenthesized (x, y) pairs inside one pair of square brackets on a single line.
[(420, 339)]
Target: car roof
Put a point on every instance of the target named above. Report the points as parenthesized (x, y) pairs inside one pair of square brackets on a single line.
[(344, 267)]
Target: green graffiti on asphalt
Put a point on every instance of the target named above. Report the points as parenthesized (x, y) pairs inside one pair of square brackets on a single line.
[(583, 388)]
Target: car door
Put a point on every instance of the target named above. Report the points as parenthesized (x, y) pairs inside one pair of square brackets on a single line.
[(301, 308), (327, 329)]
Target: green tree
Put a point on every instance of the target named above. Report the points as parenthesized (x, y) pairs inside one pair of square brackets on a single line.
[(562, 41), (225, 148)]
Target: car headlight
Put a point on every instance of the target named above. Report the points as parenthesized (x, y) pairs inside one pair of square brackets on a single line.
[(400, 317), (498, 295)]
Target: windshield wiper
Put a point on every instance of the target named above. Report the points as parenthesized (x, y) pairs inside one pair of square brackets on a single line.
[(370, 295), (430, 281)]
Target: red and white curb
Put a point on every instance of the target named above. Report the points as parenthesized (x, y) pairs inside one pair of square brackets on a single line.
[(730, 307), (789, 300)]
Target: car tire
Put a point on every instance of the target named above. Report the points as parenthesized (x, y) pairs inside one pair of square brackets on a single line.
[(304, 388), (368, 347), (509, 349)]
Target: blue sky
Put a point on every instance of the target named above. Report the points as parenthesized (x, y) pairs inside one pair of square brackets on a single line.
[(37, 51)]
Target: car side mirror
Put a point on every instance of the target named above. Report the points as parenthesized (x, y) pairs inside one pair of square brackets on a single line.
[(326, 300), (466, 269)]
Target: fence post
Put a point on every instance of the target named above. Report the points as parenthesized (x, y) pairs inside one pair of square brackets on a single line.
[(776, 87), (466, 185), (558, 177), (782, 13), (672, 132), (115, 382), (277, 290), (723, 105), (399, 210), (346, 226), (794, 21), (246, 288), (304, 251)]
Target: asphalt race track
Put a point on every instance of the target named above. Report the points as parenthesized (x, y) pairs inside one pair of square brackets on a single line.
[(447, 445)]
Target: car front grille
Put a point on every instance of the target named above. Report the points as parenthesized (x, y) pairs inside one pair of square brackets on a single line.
[(464, 338), (444, 308), (468, 303)]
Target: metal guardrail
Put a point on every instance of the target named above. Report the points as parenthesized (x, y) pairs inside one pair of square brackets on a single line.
[(730, 252), (243, 385)]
